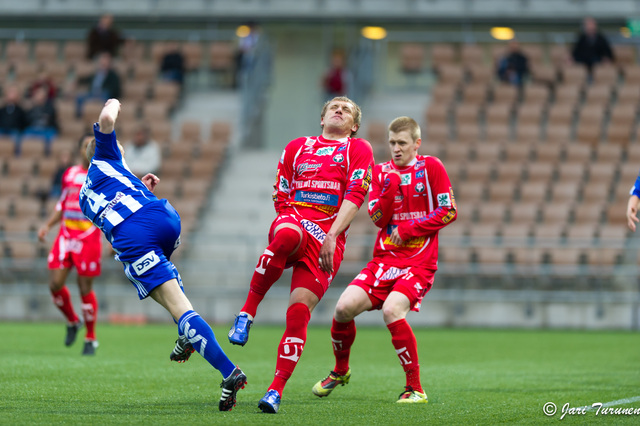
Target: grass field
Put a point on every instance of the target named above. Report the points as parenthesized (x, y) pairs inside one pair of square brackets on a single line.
[(471, 377)]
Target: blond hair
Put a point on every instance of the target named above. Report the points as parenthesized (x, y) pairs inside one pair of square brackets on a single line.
[(405, 123)]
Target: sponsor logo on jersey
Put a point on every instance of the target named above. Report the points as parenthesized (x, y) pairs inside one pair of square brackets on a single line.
[(409, 215), (453, 199), (419, 187), (338, 158), (444, 200), (342, 148), (327, 150), (317, 184), (367, 179), (375, 216), (357, 174), (107, 209), (305, 167), (284, 184), (317, 198), (398, 198), (392, 273), (313, 229), (419, 165), (447, 218), (145, 263), (419, 174), (372, 203), (412, 243), (405, 179)]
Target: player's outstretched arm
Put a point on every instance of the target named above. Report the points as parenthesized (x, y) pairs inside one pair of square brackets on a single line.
[(632, 212), (108, 116)]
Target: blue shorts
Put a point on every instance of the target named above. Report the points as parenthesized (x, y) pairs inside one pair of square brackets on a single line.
[(144, 243)]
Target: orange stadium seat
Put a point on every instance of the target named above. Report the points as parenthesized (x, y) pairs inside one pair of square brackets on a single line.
[(480, 73), (450, 74), (193, 53), (412, 57)]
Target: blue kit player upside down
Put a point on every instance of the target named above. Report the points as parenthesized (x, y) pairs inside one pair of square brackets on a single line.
[(144, 231)]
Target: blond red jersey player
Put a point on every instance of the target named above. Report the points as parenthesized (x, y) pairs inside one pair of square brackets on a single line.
[(77, 245), (410, 201), (321, 183)]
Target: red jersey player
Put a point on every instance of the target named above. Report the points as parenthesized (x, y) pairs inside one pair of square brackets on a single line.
[(321, 183), (410, 200), (78, 245)]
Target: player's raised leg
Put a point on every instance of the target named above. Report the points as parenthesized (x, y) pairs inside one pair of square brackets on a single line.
[(394, 312), (286, 241), (352, 302), (201, 337)]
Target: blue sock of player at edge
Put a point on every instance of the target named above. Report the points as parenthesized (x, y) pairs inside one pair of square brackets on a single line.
[(204, 342)]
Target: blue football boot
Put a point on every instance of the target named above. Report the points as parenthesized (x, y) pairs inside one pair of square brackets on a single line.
[(239, 333), (270, 402)]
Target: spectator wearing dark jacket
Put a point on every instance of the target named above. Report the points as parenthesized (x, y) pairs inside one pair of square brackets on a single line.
[(591, 47), (41, 117), (514, 66), (13, 118), (103, 84), (103, 38)]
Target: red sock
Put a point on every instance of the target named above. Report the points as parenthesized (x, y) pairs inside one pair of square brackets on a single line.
[(90, 314), (270, 267), (62, 299), (342, 336), (291, 345), (404, 341)]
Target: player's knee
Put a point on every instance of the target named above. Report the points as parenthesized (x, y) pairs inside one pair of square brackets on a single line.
[(286, 240), (392, 312), (344, 312)]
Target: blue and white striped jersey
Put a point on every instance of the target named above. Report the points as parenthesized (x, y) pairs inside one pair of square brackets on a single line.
[(635, 190), (111, 193)]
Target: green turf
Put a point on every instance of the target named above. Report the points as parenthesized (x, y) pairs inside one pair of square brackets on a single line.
[(471, 377)]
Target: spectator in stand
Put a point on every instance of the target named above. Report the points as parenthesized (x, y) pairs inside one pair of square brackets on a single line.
[(103, 84), (336, 79), (172, 66), (513, 67), (143, 154), (41, 118), (245, 52), (103, 38), (591, 47), (45, 81), (13, 118)]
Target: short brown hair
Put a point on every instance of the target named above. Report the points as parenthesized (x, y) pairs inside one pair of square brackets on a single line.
[(357, 113), (405, 123)]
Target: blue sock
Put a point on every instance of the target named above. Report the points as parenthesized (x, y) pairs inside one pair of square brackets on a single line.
[(204, 342)]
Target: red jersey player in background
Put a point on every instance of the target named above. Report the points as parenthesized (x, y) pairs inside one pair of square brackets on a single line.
[(78, 245), (321, 183), (410, 201)]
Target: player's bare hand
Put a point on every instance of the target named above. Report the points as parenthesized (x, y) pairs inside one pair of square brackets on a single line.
[(632, 217), (326, 253), (150, 181), (113, 102), (42, 232), (395, 237)]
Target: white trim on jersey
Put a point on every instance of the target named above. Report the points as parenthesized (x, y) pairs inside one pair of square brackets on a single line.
[(108, 170)]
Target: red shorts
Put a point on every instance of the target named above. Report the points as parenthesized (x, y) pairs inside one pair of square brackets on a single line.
[(84, 254), (309, 252), (379, 279)]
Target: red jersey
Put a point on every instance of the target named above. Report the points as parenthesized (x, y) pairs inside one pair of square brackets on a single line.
[(315, 175), (73, 224), (419, 202)]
